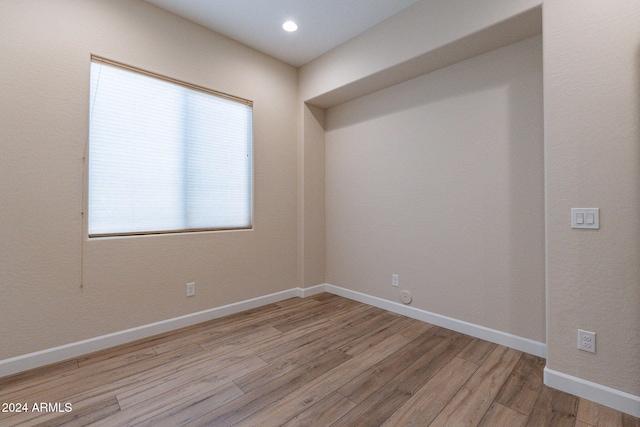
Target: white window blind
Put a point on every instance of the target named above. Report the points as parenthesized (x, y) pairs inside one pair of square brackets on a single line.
[(164, 156)]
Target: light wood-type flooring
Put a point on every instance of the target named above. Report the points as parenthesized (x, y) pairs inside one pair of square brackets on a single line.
[(318, 361)]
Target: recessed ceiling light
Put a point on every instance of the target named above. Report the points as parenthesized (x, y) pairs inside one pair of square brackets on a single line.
[(290, 26)]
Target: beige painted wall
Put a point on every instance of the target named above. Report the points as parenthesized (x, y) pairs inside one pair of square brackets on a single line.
[(592, 133), (417, 40), (44, 81), (592, 122), (440, 180), (311, 204)]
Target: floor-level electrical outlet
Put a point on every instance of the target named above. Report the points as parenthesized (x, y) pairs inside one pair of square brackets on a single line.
[(586, 341), (191, 289), (394, 280)]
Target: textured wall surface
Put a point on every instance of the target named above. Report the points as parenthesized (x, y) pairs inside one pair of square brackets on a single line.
[(592, 137), (592, 159), (311, 219), (425, 27), (134, 281), (592, 144), (440, 180)]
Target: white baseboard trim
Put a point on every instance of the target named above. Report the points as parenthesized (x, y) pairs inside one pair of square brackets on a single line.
[(616, 399), (513, 341), (313, 290), (607, 396), (69, 351)]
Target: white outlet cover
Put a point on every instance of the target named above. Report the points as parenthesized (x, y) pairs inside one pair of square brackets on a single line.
[(586, 341), (191, 289)]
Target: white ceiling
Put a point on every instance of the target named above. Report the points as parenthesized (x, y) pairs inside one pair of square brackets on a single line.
[(323, 24)]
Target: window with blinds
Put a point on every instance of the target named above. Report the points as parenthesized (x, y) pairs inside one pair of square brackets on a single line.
[(165, 156)]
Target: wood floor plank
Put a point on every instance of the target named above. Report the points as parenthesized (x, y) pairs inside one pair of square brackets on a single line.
[(391, 325), (630, 421), (23, 380), (311, 393), (88, 386), (287, 347), (324, 413), (120, 353), (283, 362), (198, 389), (469, 405), (242, 339), (89, 390), (84, 416), (426, 403), (553, 408), (276, 369), (256, 348), (324, 296), (598, 415), (190, 410), (218, 327), (499, 415), (213, 373), (319, 361), (365, 384), (122, 359), (520, 391), (227, 327), (415, 328), (319, 311), (249, 403), (207, 360), (73, 376), (477, 351), (362, 311), (384, 401), (296, 302), (330, 336)]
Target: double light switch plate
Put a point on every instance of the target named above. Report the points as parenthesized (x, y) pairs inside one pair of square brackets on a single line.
[(585, 218)]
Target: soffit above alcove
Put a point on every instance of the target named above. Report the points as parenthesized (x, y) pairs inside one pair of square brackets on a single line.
[(512, 30)]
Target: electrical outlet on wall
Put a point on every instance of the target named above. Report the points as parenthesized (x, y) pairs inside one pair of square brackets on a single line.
[(587, 341), (191, 289), (394, 280)]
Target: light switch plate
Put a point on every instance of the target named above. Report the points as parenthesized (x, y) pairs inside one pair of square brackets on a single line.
[(585, 218)]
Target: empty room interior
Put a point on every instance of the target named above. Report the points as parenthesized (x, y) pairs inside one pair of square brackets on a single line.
[(453, 184)]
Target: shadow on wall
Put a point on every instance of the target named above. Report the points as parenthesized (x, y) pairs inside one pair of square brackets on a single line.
[(526, 189), (440, 179), (407, 97)]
